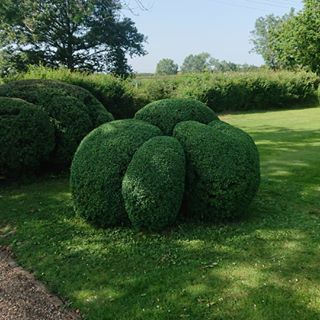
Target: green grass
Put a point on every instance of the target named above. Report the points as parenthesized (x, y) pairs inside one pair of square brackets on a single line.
[(265, 267)]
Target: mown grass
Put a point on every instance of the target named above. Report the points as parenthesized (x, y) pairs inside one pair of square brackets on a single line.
[(265, 267)]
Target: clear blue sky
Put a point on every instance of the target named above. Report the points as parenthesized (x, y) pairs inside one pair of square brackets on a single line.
[(177, 28)]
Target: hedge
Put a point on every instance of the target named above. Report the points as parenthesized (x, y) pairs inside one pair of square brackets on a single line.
[(113, 92), (222, 92), (223, 172), (73, 110), (26, 138), (167, 113), (99, 166), (153, 185)]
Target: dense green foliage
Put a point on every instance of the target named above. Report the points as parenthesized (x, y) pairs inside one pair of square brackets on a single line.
[(235, 91), (74, 111), (263, 39), (26, 137), (264, 268), (167, 113), (291, 41), (85, 35), (166, 67), (153, 185), (232, 91), (222, 170), (99, 166), (196, 63), (297, 41), (113, 92)]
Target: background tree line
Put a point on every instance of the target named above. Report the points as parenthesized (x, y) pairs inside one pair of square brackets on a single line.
[(195, 63)]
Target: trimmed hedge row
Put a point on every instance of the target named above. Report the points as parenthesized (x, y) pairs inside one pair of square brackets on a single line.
[(233, 91), (126, 170), (237, 91), (26, 137), (73, 111)]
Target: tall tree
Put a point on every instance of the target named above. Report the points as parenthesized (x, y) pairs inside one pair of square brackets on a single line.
[(166, 66), (196, 63), (297, 42), (78, 34), (262, 39)]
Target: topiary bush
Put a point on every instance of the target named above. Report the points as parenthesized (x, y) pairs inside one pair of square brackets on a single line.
[(73, 110), (26, 137), (153, 184), (167, 113), (99, 166), (129, 172), (223, 169)]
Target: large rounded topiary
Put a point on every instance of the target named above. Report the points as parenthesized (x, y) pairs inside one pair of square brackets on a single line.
[(153, 185), (26, 137), (222, 169), (73, 110), (127, 171), (99, 166), (167, 113)]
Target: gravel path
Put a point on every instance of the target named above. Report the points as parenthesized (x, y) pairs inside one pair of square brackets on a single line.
[(24, 298)]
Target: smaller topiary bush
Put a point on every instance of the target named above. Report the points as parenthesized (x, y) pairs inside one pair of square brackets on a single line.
[(26, 137), (153, 185), (223, 172), (99, 166), (168, 112), (73, 110), (127, 171)]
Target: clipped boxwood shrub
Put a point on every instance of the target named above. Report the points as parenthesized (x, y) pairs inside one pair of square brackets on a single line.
[(73, 110), (127, 171), (153, 185), (26, 137), (99, 166), (222, 170), (116, 94), (167, 113)]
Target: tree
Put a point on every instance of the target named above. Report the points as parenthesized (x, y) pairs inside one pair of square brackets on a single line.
[(262, 39), (297, 42), (223, 66), (166, 66), (196, 63), (78, 34)]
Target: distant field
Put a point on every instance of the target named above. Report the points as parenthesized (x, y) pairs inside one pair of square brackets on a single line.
[(265, 267)]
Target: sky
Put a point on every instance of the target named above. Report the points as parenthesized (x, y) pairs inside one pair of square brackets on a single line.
[(177, 28)]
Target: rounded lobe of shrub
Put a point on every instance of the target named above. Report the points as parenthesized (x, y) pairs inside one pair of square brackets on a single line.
[(99, 166), (167, 113), (74, 111), (222, 170), (26, 137), (153, 185)]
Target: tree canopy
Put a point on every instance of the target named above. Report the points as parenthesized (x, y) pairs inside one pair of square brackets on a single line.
[(196, 63), (297, 41), (262, 37), (166, 66), (86, 35), (291, 41)]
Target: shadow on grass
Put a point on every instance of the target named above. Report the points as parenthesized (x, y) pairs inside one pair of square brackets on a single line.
[(265, 267)]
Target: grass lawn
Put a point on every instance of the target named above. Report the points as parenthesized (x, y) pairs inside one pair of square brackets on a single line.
[(265, 267)]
